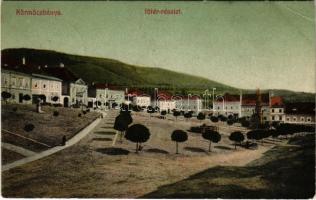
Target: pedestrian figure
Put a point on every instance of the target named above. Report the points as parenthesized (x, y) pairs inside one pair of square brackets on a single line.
[(63, 143)]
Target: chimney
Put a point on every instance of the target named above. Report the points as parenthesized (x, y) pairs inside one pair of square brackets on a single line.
[(23, 61)]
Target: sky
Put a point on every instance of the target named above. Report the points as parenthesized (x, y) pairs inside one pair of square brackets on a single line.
[(249, 45)]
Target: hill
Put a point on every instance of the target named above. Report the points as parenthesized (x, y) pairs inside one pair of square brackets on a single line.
[(92, 69), (104, 70)]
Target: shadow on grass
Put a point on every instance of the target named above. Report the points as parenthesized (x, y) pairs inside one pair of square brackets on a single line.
[(223, 147), (105, 132), (107, 127), (102, 139), (195, 149), (113, 151), (154, 150), (276, 175)]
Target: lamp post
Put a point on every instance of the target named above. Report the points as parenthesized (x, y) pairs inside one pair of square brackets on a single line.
[(189, 95), (206, 93), (213, 100)]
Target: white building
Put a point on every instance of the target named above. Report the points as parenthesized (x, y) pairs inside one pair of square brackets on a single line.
[(46, 87), (300, 113)]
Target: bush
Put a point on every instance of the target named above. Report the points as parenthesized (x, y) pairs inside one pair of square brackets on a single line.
[(211, 136), (176, 113), (79, 115), (230, 122), (84, 112), (179, 136), (187, 115), (29, 127), (236, 136), (214, 119), (55, 98), (163, 113), (56, 113), (245, 123), (5, 95), (26, 97), (137, 133)]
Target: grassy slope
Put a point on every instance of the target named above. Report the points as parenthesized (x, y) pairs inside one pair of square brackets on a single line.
[(284, 172), (93, 69)]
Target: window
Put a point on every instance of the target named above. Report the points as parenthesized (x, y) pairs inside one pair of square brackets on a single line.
[(280, 110), (287, 119), (302, 119), (294, 119), (44, 86), (272, 118), (273, 110), (264, 118), (281, 118), (309, 119)]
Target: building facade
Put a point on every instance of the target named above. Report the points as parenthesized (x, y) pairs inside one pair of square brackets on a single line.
[(46, 88), (300, 113), (17, 84)]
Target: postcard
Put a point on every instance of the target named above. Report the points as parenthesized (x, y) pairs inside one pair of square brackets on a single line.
[(158, 99)]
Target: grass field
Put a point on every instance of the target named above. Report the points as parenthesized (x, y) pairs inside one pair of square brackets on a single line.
[(94, 168), (286, 171)]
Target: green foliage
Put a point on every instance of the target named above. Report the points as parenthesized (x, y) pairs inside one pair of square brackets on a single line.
[(137, 133), (179, 136), (55, 98), (122, 121), (5, 95), (236, 136), (176, 113), (26, 97), (214, 119), (211, 136), (200, 116), (29, 127), (230, 122), (56, 113), (187, 115)]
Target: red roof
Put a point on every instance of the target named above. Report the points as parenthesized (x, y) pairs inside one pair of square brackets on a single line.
[(163, 95), (276, 101)]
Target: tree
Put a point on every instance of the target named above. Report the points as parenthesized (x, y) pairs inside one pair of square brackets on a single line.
[(236, 136), (5, 95), (187, 115), (176, 114), (150, 110), (163, 114), (245, 123), (29, 127), (122, 121), (26, 97), (214, 119), (211, 136), (179, 136), (200, 116), (230, 122), (55, 98), (137, 133)]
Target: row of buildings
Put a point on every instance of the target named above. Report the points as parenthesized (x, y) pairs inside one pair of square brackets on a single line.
[(271, 108), (57, 81)]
